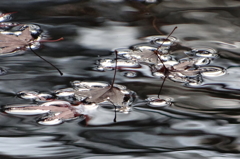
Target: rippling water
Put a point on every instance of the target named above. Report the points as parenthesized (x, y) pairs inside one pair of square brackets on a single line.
[(202, 120)]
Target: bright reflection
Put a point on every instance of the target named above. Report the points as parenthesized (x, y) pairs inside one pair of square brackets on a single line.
[(107, 37)]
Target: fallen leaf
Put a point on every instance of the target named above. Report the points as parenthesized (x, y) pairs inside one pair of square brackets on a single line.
[(10, 43), (145, 55), (186, 68), (121, 99), (98, 95), (115, 94), (55, 112)]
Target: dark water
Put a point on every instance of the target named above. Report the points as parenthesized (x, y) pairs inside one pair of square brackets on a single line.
[(201, 123)]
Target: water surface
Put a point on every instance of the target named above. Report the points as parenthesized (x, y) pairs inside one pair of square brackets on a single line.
[(202, 121)]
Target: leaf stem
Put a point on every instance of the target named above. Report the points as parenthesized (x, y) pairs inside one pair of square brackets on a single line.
[(51, 40), (115, 114), (166, 71), (115, 71), (60, 72), (8, 13), (115, 110), (164, 79), (167, 38)]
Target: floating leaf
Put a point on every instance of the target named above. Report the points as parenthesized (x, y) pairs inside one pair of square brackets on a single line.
[(10, 43), (98, 95), (101, 92), (85, 98), (186, 68), (13, 42), (117, 95), (24, 109), (56, 111), (147, 56)]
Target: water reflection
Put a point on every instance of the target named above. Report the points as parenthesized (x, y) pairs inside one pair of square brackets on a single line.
[(201, 121), (33, 146), (108, 37)]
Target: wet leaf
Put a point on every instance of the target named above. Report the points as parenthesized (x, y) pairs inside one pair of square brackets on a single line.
[(118, 96), (145, 55), (84, 99), (98, 95), (55, 112), (10, 43), (186, 68), (189, 66)]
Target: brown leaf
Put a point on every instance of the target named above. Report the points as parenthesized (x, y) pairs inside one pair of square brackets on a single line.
[(186, 68), (145, 55), (10, 43), (184, 65), (98, 95)]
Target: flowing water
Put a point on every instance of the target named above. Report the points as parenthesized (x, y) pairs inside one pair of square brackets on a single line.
[(198, 115)]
